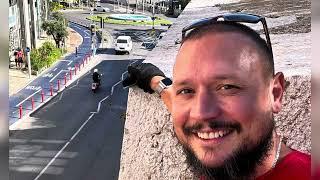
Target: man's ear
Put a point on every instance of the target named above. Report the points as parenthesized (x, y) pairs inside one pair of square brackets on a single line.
[(278, 87)]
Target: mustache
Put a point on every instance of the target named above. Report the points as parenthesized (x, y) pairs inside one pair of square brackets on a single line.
[(213, 125)]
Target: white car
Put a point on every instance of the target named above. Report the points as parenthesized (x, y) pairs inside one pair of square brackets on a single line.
[(101, 9), (123, 44)]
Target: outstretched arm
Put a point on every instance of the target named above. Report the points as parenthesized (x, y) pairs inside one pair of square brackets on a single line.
[(147, 77)]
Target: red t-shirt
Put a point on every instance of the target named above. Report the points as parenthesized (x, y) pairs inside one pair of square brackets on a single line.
[(295, 166)]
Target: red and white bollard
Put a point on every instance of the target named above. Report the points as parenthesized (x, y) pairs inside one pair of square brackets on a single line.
[(42, 96), (70, 74), (32, 103), (65, 79), (51, 89), (83, 63), (20, 111), (79, 66), (75, 69), (58, 84), (86, 58)]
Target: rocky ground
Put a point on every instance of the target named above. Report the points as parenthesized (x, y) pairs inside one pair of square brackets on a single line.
[(301, 9)]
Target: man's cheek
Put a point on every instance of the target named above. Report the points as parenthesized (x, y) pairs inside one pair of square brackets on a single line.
[(180, 118)]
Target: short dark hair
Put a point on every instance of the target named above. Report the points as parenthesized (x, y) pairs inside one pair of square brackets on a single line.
[(224, 26)]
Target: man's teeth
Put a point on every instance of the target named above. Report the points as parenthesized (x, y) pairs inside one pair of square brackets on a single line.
[(212, 135)]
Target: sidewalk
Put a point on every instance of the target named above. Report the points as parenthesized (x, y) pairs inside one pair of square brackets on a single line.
[(18, 79)]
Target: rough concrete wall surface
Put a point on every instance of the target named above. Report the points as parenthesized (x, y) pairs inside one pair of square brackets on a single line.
[(150, 150), (294, 120)]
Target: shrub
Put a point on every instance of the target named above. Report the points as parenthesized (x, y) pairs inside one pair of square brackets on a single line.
[(45, 56), (36, 60)]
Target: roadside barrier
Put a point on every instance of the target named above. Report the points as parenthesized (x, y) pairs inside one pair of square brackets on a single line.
[(65, 79), (43, 94), (75, 69), (70, 73), (32, 103), (20, 111), (58, 84), (51, 89)]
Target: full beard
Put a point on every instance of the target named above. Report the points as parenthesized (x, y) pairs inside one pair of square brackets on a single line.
[(241, 164)]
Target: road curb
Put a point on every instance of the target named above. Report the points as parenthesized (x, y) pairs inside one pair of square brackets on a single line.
[(80, 74), (83, 70)]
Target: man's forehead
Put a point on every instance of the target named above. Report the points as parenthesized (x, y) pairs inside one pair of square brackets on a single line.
[(233, 47)]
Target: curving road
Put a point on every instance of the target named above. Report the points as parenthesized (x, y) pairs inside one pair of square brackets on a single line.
[(70, 138), (51, 75), (78, 134)]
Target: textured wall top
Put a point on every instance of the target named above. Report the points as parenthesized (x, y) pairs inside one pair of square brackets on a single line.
[(289, 23), (150, 149)]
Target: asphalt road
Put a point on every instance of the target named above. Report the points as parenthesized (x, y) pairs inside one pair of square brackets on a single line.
[(93, 153), (52, 74), (72, 137)]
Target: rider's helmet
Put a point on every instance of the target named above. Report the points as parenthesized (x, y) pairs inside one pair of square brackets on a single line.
[(95, 70)]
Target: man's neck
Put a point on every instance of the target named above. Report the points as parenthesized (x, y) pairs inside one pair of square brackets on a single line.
[(272, 158)]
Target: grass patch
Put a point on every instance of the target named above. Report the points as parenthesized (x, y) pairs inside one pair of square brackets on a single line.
[(157, 21)]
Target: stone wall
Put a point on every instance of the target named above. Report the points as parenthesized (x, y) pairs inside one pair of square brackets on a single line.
[(150, 150)]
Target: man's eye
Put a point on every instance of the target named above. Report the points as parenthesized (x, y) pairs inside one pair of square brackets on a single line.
[(185, 91), (229, 86)]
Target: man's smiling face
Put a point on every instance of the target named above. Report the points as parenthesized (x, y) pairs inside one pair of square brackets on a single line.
[(222, 102)]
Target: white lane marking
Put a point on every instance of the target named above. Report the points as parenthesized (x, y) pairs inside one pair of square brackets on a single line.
[(27, 98), (63, 148), (55, 69), (55, 76), (69, 141), (35, 88), (114, 86), (98, 109), (123, 75), (77, 27), (75, 84), (86, 32), (48, 75), (67, 61)]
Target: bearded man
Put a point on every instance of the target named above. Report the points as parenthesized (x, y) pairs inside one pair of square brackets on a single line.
[(223, 97)]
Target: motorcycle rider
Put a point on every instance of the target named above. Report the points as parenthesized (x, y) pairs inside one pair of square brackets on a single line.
[(96, 76)]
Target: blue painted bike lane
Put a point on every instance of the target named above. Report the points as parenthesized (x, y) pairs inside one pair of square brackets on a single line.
[(48, 83)]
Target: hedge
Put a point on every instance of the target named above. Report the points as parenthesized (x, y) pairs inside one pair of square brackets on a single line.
[(157, 21), (44, 56)]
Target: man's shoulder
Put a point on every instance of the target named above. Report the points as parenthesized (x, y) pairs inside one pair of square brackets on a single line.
[(296, 158), (295, 165)]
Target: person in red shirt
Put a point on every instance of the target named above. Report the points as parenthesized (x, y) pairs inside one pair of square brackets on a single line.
[(224, 95)]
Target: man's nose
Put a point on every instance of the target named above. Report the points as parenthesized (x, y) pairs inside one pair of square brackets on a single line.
[(205, 107)]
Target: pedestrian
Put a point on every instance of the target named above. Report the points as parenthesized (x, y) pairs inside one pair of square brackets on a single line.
[(20, 58), (16, 58), (222, 100)]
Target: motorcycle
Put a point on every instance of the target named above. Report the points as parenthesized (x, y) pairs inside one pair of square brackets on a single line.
[(96, 85)]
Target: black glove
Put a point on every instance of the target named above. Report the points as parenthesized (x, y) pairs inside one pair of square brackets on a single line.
[(141, 75)]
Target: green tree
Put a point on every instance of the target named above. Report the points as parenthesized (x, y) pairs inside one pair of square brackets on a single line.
[(55, 6), (56, 28)]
